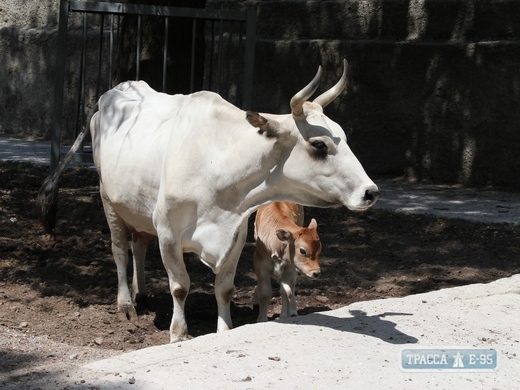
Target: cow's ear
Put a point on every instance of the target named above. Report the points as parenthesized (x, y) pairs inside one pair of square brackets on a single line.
[(313, 224), (284, 234), (264, 126)]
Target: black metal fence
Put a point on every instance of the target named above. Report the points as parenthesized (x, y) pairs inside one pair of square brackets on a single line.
[(214, 50)]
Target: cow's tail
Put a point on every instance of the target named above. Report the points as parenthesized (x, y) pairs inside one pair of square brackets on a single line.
[(48, 195)]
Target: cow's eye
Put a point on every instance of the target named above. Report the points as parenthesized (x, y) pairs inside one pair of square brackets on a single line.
[(303, 251), (319, 148)]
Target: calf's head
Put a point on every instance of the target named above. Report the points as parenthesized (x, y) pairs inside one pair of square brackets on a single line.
[(318, 167), (303, 248)]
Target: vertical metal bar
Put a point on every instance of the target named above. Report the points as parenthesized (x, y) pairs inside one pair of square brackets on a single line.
[(219, 67), (249, 59), (192, 66), (165, 52), (138, 49), (239, 64), (59, 84), (100, 55), (111, 51), (80, 108), (211, 54), (228, 59)]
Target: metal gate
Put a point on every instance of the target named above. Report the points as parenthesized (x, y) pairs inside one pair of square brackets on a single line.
[(89, 42)]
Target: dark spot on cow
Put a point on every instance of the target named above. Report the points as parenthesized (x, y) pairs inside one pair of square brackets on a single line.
[(180, 293)]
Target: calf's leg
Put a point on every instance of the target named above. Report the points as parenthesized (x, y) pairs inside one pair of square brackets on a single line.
[(293, 310), (287, 292)]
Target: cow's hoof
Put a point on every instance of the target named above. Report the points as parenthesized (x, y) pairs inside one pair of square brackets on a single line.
[(127, 313), (178, 339), (142, 303)]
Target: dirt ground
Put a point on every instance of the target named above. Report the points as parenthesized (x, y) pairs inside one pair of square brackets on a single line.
[(57, 299)]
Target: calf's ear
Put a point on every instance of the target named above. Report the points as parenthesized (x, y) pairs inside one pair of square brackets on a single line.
[(284, 234), (313, 224), (269, 128)]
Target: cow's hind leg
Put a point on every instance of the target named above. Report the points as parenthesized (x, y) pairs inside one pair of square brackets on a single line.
[(118, 233), (263, 292), (138, 280), (225, 280)]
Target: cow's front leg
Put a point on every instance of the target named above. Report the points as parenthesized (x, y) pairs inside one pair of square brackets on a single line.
[(179, 280), (225, 281)]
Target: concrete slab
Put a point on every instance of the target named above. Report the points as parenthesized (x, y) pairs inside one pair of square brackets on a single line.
[(357, 346)]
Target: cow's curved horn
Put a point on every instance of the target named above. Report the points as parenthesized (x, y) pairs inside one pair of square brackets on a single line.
[(328, 96), (302, 96)]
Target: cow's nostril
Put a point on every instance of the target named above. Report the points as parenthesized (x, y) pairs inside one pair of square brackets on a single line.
[(316, 274), (371, 196)]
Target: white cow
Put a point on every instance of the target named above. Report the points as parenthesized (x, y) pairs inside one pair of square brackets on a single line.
[(190, 169)]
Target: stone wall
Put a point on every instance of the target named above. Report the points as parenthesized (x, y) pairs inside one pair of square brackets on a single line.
[(28, 31), (433, 92)]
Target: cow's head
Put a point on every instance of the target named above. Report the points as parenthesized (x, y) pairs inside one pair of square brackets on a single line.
[(303, 248), (318, 168)]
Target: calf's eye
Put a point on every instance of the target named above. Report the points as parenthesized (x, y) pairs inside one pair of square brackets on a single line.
[(303, 251)]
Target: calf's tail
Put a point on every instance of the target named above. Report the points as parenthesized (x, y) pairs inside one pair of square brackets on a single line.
[(47, 201)]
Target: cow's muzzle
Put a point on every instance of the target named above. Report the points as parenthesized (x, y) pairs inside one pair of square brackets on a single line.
[(371, 196)]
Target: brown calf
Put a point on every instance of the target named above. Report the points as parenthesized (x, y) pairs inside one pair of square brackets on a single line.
[(283, 247)]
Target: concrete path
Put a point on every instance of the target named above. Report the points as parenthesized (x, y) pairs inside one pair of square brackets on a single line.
[(25, 151), (359, 346), (483, 205)]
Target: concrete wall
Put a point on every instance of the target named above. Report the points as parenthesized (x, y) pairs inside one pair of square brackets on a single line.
[(28, 39), (434, 86), (28, 31)]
